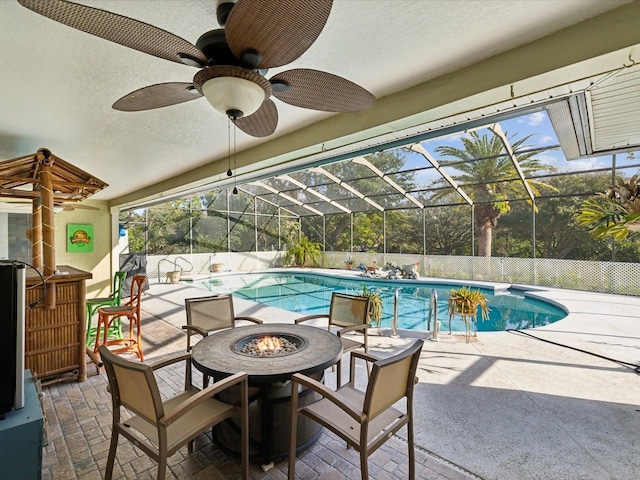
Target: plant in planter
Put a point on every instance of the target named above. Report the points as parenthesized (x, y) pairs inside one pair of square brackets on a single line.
[(302, 252), (465, 302), (615, 212), (376, 307), (174, 276)]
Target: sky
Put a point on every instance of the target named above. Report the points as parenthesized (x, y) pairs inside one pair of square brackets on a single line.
[(542, 134)]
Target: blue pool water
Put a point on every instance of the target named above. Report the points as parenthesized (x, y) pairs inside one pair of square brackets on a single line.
[(309, 294)]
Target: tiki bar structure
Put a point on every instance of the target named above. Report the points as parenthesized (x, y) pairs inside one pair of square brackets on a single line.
[(55, 297)]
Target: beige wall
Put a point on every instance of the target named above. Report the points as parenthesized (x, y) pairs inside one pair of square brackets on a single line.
[(97, 262)]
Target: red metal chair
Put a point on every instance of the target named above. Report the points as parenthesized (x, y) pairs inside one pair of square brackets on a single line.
[(131, 310)]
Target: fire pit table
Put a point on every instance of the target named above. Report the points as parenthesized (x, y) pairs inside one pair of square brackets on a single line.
[(309, 350)]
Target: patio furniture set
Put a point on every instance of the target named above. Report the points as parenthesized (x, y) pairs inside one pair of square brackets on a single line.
[(268, 398)]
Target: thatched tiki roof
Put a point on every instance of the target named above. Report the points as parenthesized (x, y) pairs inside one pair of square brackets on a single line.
[(48, 181)]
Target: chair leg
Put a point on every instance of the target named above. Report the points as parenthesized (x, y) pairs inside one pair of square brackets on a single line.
[(339, 374), (364, 467), (293, 432), (96, 342), (139, 338), (162, 466), (412, 453), (244, 432), (113, 445)]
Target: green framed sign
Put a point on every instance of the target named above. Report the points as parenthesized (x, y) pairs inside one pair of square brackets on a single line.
[(79, 238)]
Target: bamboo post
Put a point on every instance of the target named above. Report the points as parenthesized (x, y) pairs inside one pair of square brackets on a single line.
[(45, 161), (36, 232)]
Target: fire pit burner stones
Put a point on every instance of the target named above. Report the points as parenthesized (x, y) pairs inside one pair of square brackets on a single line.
[(271, 345)]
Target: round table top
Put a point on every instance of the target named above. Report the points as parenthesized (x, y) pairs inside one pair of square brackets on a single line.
[(215, 356)]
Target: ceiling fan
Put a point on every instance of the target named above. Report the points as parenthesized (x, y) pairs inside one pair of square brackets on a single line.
[(232, 61)]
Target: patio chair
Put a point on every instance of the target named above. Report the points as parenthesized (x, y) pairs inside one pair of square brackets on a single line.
[(113, 300), (159, 428), (207, 315), (349, 314), (365, 420), (131, 309)]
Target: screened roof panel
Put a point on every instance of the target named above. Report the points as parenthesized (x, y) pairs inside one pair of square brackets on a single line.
[(301, 211), (357, 205), (349, 170), (393, 201), (277, 199), (338, 192), (255, 189), (410, 179), (241, 202), (280, 184), (326, 208), (372, 186), (475, 161), (309, 178), (439, 196), (408, 161)]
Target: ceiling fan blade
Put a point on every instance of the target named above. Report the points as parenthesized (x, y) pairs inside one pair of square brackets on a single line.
[(156, 96), (262, 123), (318, 90), (279, 30), (119, 29)]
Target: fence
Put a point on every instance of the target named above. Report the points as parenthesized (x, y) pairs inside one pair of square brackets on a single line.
[(607, 277)]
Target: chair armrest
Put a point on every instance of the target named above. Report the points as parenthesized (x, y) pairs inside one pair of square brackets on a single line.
[(168, 359), (334, 397), (191, 329), (367, 357), (352, 328), (203, 395), (251, 319), (357, 354), (311, 317)]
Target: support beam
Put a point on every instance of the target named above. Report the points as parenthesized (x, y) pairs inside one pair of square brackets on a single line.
[(347, 187), (418, 148), (366, 163)]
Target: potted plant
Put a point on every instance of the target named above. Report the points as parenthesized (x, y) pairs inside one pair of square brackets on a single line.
[(615, 212), (465, 302), (303, 252), (376, 307), (174, 276)]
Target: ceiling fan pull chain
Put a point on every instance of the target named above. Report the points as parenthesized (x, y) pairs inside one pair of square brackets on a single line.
[(235, 168), (229, 172)]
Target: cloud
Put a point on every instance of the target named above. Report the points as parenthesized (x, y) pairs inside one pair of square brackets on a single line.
[(546, 140), (536, 118)]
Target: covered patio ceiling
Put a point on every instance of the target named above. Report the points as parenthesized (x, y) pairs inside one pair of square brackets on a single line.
[(434, 67)]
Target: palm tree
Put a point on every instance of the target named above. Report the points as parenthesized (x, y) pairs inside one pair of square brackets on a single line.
[(489, 177)]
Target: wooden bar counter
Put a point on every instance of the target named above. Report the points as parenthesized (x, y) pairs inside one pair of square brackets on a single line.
[(55, 327)]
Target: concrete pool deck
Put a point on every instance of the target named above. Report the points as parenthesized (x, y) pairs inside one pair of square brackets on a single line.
[(509, 406)]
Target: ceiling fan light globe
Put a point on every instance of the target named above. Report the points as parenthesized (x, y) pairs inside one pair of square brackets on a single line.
[(231, 93)]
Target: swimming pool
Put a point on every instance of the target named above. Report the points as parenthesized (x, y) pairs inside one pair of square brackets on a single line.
[(309, 294)]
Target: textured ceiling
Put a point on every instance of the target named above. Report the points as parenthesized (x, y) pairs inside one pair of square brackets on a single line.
[(58, 84)]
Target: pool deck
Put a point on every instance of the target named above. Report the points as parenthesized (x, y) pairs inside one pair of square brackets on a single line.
[(508, 406), (503, 406)]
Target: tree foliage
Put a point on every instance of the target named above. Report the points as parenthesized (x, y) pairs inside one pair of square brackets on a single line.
[(486, 171)]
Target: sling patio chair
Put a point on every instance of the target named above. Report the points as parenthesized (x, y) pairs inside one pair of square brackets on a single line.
[(206, 315), (365, 420), (160, 428), (347, 314)]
